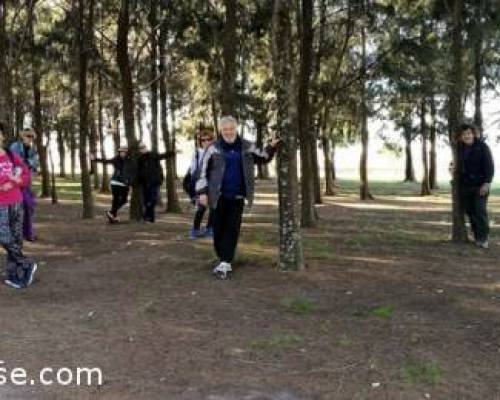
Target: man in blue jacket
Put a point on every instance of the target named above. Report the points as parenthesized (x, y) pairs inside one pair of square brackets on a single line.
[(226, 180), (476, 169), (25, 149)]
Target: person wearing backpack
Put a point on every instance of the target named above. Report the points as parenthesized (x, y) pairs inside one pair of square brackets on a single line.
[(204, 141), (14, 176), (121, 180), (25, 149)]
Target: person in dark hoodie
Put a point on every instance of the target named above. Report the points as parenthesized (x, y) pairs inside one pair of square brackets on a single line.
[(150, 177), (476, 170), (121, 180), (226, 180)]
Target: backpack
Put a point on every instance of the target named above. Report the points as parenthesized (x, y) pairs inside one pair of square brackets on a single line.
[(189, 181)]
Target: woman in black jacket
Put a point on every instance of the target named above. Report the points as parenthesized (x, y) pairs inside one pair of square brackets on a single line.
[(123, 176), (476, 170)]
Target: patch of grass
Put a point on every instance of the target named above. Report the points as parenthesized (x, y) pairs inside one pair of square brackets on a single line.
[(422, 372), (345, 340), (318, 249), (298, 305), (277, 341), (385, 312)]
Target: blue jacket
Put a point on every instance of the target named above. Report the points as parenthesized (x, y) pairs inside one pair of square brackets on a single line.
[(28, 155), (216, 179)]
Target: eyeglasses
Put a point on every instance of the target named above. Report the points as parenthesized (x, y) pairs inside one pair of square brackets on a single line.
[(205, 140)]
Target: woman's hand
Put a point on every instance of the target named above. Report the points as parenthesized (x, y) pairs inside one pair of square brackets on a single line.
[(203, 200), (484, 189)]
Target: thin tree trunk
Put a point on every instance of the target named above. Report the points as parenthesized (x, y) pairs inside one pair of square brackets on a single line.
[(72, 148), (93, 131), (363, 169), (309, 217), (329, 183), (6, 93), (433, 139), (153, 22), (62, 153), (84, 29), (100, 133), (459, 232), (229, 53), (478, 65), (315, 165), (291, 256), (37, 107), (425, 189), (127, 91), (173, 204)]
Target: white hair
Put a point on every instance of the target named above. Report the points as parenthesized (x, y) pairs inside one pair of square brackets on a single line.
[(228, 119)]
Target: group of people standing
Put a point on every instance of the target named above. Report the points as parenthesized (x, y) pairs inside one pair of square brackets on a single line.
[(219, 180), (17, 204)]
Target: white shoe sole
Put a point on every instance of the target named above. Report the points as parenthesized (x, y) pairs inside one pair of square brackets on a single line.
[(32, 276)]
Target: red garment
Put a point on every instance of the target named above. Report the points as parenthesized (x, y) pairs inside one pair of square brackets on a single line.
[(10, 190)]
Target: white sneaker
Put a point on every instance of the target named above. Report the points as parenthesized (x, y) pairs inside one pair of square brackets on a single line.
[(483, 245), (222, 270)]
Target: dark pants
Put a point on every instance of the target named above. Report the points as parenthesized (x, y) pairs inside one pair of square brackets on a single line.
[(120, 196), (11, 239), (198, 217), (150, 194), (475, 206), (227, 222), (29, 203)]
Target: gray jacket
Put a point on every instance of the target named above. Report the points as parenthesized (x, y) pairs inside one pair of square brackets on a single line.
[(212, 170)]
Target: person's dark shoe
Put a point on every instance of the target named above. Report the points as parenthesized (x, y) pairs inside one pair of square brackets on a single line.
[(14, 282)]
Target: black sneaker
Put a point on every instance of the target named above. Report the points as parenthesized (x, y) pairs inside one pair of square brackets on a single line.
[(29, 274)]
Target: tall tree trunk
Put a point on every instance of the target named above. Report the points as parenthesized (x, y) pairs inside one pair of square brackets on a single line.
[(84, 29), (364, 190), (6, 86), (138, 111), (116, 129), (153, 63), (229, 53), (93, 131), (100, 133), (127, 91), (433, 139), (315, 165), (173, 204), (291, 256), (73, 148), (37, 106), (61, 149), (478, 64), (425, 189), (409, 170), (172, 198), (309, 217), (459, 232)]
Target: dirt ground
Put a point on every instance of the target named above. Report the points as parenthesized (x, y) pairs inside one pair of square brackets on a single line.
[(387, 308)]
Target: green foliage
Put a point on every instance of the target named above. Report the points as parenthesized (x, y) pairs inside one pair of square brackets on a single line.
[(422, 372), (279, 341), (298, 305)]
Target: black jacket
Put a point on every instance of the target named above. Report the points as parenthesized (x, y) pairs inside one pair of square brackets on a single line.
[(477, 165), (124, 169), (149, 170)]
